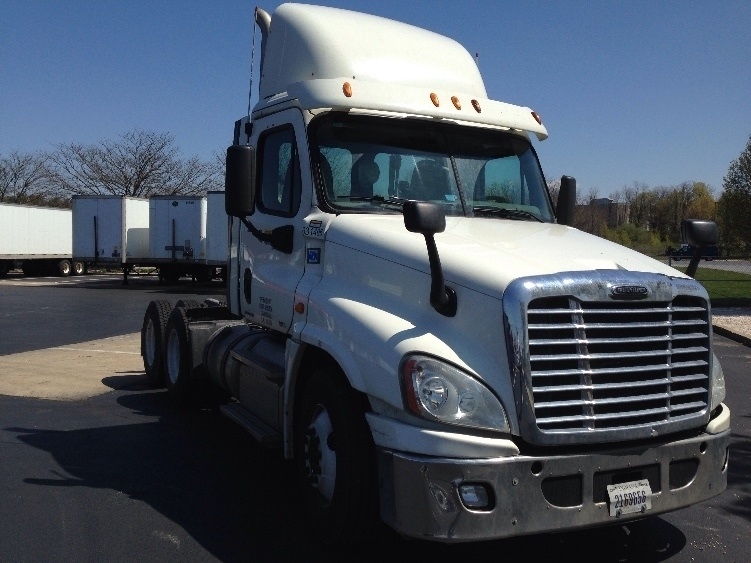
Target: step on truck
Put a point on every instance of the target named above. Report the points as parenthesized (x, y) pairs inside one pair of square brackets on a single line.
[(412, 321)]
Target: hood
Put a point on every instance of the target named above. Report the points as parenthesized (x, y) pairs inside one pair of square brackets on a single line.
[(486, 254)]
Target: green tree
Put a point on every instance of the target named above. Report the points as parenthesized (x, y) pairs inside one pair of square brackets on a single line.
[(735, 205)]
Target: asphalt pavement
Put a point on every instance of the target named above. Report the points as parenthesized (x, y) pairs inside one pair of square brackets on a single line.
[(115, 472)]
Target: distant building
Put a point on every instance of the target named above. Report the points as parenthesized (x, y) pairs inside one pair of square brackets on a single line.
[(600, 213)]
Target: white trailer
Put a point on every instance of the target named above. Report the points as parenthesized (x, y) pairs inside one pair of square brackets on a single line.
[(216, 232), (36, 239), (177, 237), (111, 230)]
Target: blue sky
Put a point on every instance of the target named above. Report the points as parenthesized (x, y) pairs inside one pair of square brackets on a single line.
[(656, 92)]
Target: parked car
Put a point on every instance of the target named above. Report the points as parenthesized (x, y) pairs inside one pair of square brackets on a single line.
[(687, 251)]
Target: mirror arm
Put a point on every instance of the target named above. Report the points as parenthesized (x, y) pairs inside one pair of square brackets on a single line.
[(279, 238)]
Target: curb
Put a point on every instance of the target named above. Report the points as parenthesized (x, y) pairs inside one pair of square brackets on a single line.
[(739, 338)]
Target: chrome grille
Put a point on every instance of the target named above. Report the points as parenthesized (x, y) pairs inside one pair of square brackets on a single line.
[(607, 365)]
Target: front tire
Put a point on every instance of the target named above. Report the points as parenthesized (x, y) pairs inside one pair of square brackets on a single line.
[(153, 338), (335, 459)]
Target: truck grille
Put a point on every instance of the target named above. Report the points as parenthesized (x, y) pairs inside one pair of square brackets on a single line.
[(607, 369)]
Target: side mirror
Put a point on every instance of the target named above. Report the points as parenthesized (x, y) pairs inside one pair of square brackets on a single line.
[(698, 234), (239, 181), (428, 219), (423, 217), (564, 209)]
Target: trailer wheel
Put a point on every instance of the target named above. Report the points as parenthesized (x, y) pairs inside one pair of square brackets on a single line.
[(177, 359), (203, 275), (153, 336), (64, 268), (79, 268), (169, 274), (335, 459)]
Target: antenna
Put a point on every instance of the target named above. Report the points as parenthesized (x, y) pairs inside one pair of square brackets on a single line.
[(252, 58)]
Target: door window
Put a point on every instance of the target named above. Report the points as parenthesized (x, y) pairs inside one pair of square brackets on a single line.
[(279, 174)]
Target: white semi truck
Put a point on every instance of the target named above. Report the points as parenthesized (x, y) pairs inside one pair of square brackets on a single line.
[(36, 240), (410, 320)]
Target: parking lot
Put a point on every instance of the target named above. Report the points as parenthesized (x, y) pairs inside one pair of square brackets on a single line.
[(95, 465)]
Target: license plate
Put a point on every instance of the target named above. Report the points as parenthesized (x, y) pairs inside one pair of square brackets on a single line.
[(630, 498)]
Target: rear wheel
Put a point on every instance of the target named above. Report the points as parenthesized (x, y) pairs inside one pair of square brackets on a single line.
[(79, 268), (335, 459), (153, 336), (203, 275), (64, 268), (169, 274), (177, 359)]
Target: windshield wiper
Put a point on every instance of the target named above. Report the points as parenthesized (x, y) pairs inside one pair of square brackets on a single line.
[(507, 213)]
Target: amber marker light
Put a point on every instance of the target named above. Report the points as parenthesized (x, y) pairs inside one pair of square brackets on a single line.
[(537, 117), (347, 89), (434, 99), (476, 105), (456, 102), (299, 308)]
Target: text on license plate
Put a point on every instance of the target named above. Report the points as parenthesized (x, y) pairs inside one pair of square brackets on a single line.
[(630, 498)]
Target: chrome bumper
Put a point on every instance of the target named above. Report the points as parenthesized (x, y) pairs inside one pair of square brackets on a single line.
[(530, 494)]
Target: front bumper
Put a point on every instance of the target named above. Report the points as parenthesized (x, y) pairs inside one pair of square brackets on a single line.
[(533, 494)]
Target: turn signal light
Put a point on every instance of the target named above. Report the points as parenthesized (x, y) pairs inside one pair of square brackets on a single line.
[(347, 89)]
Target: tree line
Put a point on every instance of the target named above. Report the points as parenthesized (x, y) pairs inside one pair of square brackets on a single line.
[(143, 163), (651, 216), (138, 164)]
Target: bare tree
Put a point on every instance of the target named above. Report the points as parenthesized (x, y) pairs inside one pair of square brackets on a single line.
[(24, 178), (139, 164), (554, 189)]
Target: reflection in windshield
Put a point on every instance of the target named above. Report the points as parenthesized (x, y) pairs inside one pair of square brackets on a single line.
[(372, 164)]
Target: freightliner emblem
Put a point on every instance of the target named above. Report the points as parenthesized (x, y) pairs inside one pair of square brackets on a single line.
[(628, 292)]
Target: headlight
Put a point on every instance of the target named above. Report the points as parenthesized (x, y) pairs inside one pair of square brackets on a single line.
[(718, 383), (438, 391)]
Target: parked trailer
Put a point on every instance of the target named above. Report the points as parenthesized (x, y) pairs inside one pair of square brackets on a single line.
[(36, 240), (177, 237), (217, 241), (111, 230)]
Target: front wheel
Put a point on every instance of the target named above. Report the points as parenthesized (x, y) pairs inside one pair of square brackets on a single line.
[(335, 459)]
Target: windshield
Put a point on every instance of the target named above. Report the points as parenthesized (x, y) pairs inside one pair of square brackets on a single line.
[(370, 164)]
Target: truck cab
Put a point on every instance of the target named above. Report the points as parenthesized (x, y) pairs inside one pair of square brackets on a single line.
[(412, 322)]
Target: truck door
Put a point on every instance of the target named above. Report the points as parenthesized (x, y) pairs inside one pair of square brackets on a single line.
[(268, 277)]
